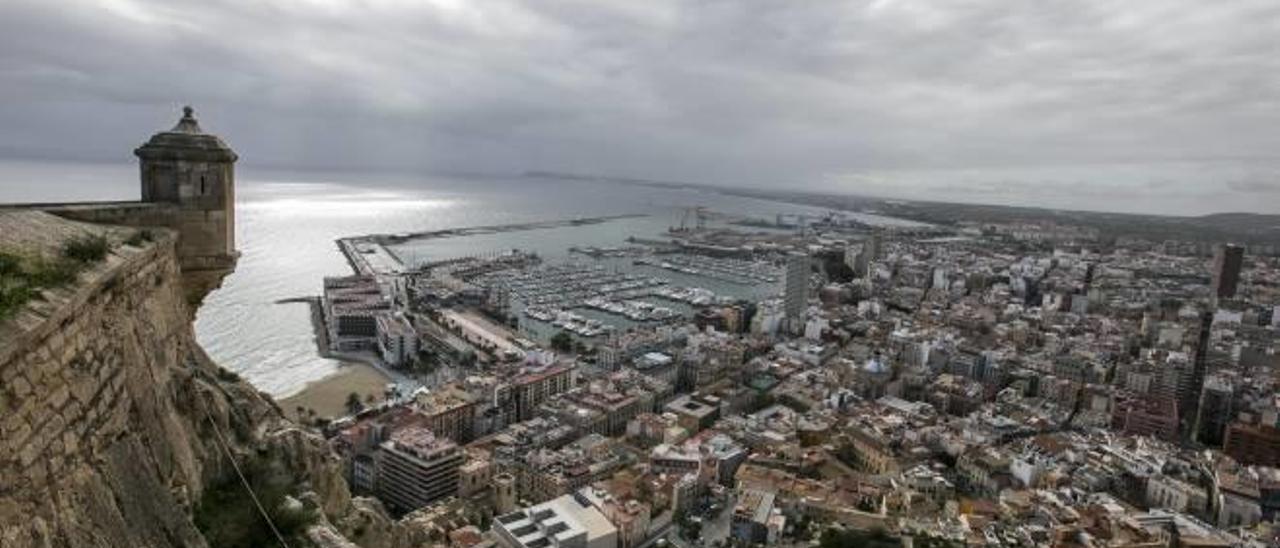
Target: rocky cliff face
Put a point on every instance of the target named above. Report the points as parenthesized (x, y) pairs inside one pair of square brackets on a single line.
[(110, 412)]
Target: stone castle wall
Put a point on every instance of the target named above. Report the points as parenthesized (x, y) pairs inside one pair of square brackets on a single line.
[(67, 375), (110, 410), (200, 230), (204, 240), (101, 444)]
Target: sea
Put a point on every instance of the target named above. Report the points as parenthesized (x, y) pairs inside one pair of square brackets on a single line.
[(287, 223)]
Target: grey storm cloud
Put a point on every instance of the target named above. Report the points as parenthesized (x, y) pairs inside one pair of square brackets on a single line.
[(960, 99)]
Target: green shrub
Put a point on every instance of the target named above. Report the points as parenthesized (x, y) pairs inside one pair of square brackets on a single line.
[(227, 516), (51, 273), (562, 342), (850, 538), (13, 298), (24, 277), (876, 538), (10, 265), (86, 249), (140, 237)]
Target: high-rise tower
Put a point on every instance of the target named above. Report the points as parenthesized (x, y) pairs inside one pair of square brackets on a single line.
[(1227, 260), (796, 292), (1191, 385), (1214, 412)]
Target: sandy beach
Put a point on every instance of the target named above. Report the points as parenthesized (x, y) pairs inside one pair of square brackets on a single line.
[(328, 396)]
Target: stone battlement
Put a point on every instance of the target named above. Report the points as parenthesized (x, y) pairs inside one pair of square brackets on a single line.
[(202, 271), (109, 408), (63, 358), (188, 186)]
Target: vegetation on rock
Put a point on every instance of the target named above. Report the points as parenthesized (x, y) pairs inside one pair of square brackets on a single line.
[(876, 538), (140, 237), (228, 518), (354, 405), (86, 249), (24, 276)]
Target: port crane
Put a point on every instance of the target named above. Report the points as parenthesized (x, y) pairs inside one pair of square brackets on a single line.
[(699, 213)]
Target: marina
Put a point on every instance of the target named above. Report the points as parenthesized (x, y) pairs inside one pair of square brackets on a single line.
[(728, 270), (565, 285), (588, 277), (619, 290), (632, 310)]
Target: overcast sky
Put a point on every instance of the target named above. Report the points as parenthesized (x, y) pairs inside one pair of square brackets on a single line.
[(1163, 106)]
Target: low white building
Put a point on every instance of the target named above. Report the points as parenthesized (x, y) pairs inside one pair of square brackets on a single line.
[(1237, 510), (566, 522), (814, 328), (769, 318), (397, 340), (1177, 495)]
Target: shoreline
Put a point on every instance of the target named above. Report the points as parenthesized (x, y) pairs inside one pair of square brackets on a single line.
[(327, 396)]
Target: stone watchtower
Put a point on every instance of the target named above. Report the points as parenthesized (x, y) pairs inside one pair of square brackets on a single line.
[(192, 173), (195, 171)]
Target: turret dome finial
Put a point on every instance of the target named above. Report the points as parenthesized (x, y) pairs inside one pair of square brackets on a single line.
[(188, 122)]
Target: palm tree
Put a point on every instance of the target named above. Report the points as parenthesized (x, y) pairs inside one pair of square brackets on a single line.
[(562, 341), (354, 405)]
